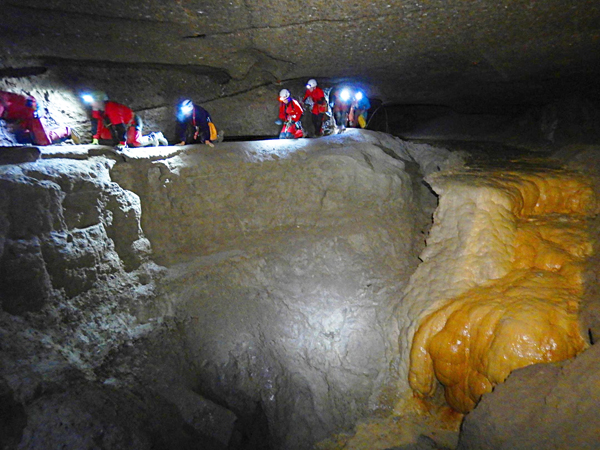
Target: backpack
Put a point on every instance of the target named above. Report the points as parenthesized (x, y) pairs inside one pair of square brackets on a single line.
[(213, 131)]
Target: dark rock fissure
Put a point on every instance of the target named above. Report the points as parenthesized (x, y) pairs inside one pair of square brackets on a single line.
[(219, 75), (21, 72)]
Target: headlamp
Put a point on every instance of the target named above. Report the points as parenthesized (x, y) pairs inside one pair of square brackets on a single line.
[(186, 107), (87, 98), (345, 95), (358, 96)]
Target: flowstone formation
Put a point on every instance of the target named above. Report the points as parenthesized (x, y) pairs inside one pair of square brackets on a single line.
[(501, 278), (540, 406), (508, 281)]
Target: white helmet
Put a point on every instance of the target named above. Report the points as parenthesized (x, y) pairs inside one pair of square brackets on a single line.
[(283, 94), (312, 83)]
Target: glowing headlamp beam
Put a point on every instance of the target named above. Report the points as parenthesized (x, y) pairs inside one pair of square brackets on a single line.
[(186, 109)]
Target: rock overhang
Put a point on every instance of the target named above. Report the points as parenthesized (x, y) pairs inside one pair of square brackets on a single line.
[(430, 52)]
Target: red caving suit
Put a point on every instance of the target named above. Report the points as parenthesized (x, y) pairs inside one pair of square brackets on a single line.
[(291, 114), (21, 109), (116, 114)]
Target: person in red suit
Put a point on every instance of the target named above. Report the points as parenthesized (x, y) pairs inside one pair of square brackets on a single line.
[(290, 113), (314, 97), (20, 111), (117, 124)]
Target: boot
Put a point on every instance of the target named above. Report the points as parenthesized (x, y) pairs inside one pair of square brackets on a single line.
[(149, 140), (161, 138), (75, 137)]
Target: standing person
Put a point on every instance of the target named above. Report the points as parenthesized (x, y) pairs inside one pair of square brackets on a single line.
[(341, 107), (117, 124), (195, 126), (290, 113), (314, 97), (20, 111), (358, 110)]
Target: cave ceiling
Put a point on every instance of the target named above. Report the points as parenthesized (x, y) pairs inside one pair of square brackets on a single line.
[(450, 52)]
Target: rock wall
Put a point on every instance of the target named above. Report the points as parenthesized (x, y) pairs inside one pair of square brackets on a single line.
[(540, 406), (272, 320), (78, 227), (496, 253), (76, 286), (286, 259)]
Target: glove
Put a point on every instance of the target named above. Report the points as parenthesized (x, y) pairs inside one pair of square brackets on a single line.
[(95, 141), (121, 147), (279, 122)]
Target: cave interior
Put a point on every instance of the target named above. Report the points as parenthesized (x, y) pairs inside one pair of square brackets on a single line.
[(428, 282)]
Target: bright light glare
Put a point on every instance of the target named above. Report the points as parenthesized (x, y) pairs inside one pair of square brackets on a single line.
[(186, 108), (87, 98), (358, 96), (345, 95)]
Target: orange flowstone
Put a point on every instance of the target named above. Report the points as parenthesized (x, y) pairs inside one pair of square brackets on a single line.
[(528, 316)]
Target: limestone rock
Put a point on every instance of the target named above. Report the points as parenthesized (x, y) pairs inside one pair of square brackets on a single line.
[(541, 406), (17, 155), (446, 54), (25, 283), (63, 239), (88, 416), (284, 259), (501, 279)]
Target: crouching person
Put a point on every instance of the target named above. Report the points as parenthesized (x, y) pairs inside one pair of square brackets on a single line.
[(195, 126), (290, 113), (117, 125), (21, 114)]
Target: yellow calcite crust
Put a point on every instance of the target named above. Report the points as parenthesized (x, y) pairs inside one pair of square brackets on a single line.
[(529, 315)]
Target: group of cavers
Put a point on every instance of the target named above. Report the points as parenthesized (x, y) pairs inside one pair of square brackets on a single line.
[(112, 123), (348, 109), (118, 125)]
